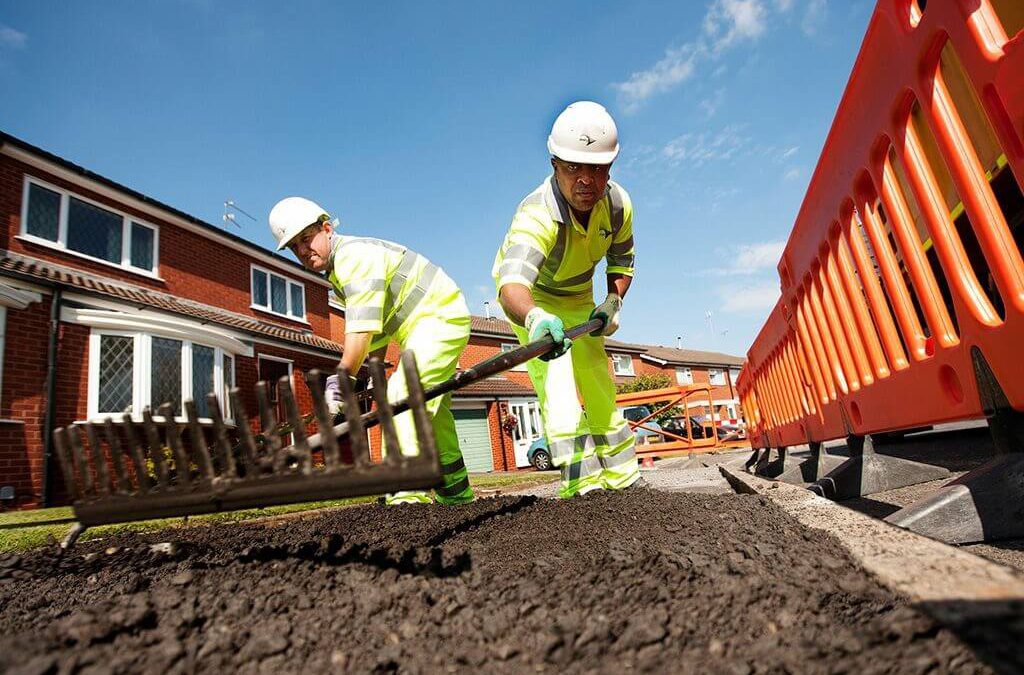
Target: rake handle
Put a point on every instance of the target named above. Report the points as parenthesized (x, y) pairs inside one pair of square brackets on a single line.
[(481, 371)]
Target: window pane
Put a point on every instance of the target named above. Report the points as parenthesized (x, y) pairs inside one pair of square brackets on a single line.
[(166, 374), (142, 247), (278, 299), (298, 300), (43, 212), (259, 288), (94, 231), (202, 377), (229, 381), (115, 386)]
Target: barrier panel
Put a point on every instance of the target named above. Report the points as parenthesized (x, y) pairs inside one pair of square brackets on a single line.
[(902, 280)]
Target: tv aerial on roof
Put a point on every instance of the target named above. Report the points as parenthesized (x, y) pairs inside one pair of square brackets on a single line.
[(230, 209)]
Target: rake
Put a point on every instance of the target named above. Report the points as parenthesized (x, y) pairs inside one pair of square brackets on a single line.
[(134, 480)]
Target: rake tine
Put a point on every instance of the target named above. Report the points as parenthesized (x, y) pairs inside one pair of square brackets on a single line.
[(356, 430), (220, 434), (156, 448), (325, 421), (268, 420), (121, 483), (300, 446), (245, 435), (99, 462), (384, 414), (199, 448), (78, 453), (418, 408), (177, 449), (60, 439), (135, 448)]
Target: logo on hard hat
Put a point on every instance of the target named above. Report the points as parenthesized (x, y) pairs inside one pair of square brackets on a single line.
[(587, 139)]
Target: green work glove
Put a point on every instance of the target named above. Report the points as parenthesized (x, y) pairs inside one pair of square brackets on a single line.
[(540, 323), (608, 311)]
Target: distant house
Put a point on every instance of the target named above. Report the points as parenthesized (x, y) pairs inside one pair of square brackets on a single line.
[(111, 301)]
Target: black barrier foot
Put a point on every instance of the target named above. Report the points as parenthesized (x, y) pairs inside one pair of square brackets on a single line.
[(748, 466), (866, 473), (772, 467), (762, 461), (987, 503), (815, 467)]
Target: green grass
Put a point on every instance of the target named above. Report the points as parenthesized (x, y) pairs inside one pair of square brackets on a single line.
[(21, 530)]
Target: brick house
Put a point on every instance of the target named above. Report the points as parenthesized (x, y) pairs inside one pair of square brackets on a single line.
[(111, 301)]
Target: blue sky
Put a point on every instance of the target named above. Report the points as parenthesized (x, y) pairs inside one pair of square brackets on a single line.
[(425, 123)]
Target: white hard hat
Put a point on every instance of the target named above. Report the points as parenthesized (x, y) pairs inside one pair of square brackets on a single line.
[(585, 134), (292, 215)]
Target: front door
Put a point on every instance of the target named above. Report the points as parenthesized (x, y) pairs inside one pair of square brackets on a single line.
[(272, 370), (527, 430)]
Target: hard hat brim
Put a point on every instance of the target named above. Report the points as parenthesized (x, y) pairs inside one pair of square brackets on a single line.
[(582, 157)]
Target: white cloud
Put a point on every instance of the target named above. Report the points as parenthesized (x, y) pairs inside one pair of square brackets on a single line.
[(729, 21), (814, 17), (789, 152), (697, 149), (750, 259), (711, 104), (784, 5), (792, 174), (677, 66), (726, 23), (12, 38), (760, 297)]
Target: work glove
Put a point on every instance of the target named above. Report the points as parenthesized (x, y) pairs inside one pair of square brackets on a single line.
[(608, 311), (540, 323)]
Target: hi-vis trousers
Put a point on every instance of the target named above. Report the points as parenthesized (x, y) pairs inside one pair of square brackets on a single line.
[(592, 448), (437, 343)]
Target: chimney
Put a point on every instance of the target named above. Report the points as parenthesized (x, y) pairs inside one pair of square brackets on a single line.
[(679, 342), (487, 309)]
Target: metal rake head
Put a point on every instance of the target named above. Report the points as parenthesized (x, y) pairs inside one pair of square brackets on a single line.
[(132, 475)]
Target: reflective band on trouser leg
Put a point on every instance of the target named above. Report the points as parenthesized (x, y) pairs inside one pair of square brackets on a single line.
[(437, 343), (617, 453)]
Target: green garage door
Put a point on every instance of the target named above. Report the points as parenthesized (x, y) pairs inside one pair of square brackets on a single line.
[(474, 438)]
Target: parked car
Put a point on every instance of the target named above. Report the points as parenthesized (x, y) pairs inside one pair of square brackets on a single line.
[(540, 457)]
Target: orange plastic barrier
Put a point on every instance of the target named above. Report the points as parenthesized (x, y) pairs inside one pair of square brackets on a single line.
[(904, 268), (683, 396)]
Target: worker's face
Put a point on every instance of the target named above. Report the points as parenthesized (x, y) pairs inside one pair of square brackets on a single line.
[(582, 185), (313, 246)]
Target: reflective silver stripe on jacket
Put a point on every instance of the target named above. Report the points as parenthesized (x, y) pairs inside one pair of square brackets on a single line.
[(408, 305), (524, 253), (362, 286), (621, 248), (364, 313), (620, 260), (521, 269), (616, 209)]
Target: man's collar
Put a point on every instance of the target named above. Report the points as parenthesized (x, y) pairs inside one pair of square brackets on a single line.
[(558, 205)]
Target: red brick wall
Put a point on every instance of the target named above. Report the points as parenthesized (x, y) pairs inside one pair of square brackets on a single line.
[(481, 348), (190, 265)]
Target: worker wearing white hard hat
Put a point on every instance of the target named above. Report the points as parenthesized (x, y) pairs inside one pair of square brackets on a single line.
[(544, 275), (390, 294)]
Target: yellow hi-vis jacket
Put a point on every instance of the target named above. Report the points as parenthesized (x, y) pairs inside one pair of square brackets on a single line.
[(384, 287), (548, 250)]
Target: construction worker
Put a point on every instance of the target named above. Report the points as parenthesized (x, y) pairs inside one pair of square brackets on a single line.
[(544, 274), (389, 293)]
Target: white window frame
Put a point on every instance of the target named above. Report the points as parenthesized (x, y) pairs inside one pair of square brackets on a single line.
[(616, 365), (287, 293), (720, 374), (734, 374), (62, 229), (684, 373), (510, 346), (142, 386)]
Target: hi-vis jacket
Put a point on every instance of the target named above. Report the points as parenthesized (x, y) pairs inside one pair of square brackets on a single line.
[(384, 287), (547, 250)]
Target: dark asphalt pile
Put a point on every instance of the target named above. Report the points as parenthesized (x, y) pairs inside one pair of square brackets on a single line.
[(644, 582)]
